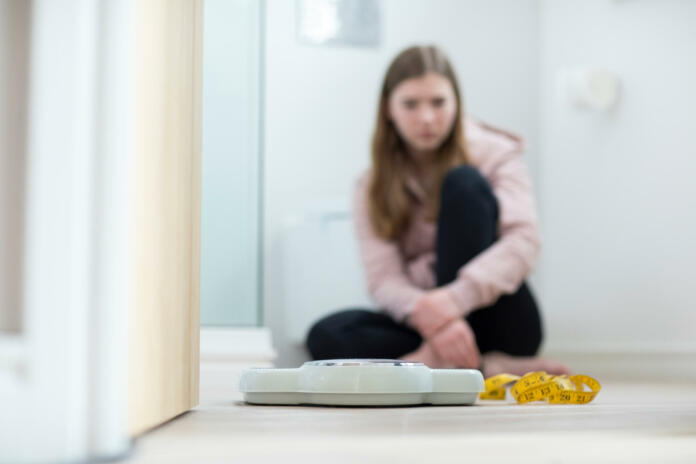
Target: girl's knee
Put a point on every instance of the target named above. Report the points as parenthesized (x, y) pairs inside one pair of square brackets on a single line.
[(464, 177), (465, 187)]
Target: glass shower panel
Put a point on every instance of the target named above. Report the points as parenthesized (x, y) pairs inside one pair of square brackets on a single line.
[(230, 167)]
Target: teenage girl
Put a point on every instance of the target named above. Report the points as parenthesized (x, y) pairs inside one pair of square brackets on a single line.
[(448, 232)]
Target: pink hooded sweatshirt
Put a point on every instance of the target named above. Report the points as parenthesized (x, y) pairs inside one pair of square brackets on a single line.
[(399, 272)]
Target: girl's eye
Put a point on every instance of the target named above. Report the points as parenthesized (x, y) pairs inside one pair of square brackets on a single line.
[(439, 102), (410, 105)]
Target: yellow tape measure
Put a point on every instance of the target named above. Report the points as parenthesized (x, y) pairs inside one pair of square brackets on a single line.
[(538, 386)]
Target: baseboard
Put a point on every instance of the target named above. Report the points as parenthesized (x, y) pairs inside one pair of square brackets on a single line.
[(627, 362), (13, 363), (239, 345), (225, 353), (247, 346)]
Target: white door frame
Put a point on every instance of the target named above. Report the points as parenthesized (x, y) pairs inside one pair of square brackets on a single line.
[(62, 378)]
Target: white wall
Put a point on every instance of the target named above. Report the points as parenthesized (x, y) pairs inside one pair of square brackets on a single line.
[(320, 105), (618, 196)]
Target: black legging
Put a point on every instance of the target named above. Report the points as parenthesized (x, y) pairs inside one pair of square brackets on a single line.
[(467, 225)]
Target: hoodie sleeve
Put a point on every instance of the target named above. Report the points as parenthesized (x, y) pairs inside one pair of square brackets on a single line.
[(501, 268), (387, 282)]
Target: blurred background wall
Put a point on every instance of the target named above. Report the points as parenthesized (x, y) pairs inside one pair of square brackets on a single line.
[(617, 190), (612, 185)]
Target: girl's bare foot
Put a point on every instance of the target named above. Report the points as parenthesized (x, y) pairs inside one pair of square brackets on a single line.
[(493, 363), (427, 355), (497, 363)]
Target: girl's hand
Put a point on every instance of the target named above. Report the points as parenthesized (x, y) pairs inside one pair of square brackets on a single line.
[(433, 311), (456, 344)]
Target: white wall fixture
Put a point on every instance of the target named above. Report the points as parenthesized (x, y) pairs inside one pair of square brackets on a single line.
[(591, 88), (321, 267), (339, 22)]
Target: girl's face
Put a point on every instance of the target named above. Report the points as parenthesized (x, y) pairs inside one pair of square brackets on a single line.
[(423, 110)]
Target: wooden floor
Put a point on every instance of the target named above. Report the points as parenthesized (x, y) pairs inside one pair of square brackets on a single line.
[(627, 422)]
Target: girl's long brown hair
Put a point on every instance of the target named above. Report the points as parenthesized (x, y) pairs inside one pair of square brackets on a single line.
[(389, 202)]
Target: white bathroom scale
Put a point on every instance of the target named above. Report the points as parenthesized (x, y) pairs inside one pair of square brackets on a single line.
[(361, 382)]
